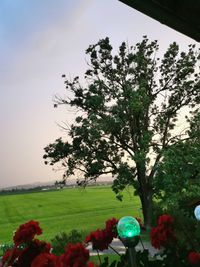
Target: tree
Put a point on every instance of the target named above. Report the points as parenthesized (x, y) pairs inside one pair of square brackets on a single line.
[(130, 105), (179, 171), (180, 165), (60, 183)]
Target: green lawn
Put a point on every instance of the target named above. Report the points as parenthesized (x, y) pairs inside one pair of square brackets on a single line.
[(64, 210)]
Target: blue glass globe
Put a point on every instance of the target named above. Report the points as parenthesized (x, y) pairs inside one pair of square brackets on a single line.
[(197, 212), (128, 227)]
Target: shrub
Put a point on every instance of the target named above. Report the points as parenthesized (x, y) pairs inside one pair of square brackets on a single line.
[(62, 239)]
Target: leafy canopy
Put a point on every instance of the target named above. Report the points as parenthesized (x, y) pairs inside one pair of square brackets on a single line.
[(130, 104), (179, 170)]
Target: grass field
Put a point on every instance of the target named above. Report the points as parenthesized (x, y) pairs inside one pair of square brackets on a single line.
[(64, 210)]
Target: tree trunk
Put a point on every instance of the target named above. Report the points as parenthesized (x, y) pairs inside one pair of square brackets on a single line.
[(147, 203), (145, 194)]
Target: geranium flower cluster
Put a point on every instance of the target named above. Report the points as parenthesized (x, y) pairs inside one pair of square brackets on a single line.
[(76, 255), (26, 232), (194, 258), (163, 235), (36, 253), (101, 238)]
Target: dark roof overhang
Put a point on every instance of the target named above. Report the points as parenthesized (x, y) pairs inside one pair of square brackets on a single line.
[(181, 15)]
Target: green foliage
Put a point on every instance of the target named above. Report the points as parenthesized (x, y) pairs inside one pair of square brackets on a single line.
[(129, 106), (4, 247), (179, 169), (122, 261), (143, 260), (60, 240), (187, 230), (184, 201), (187, 198), (177, 181)]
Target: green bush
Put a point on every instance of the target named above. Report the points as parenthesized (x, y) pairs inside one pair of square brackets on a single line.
[(60, 241), (4, 247), (179, 201)]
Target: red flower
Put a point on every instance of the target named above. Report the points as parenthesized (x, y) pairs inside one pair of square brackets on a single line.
[(26, 232), (166, 220), (161, 237), (11, 255), (111, 226), (76, 255), (35, 248), (100, 239), (43, 246), (91, 264), (163, 234), (44, 260), (194, 258)]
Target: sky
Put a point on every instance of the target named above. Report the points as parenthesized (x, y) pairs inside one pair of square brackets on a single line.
[(40, 41)]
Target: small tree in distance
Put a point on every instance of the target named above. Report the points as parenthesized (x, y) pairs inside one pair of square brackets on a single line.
[(130, 108)]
